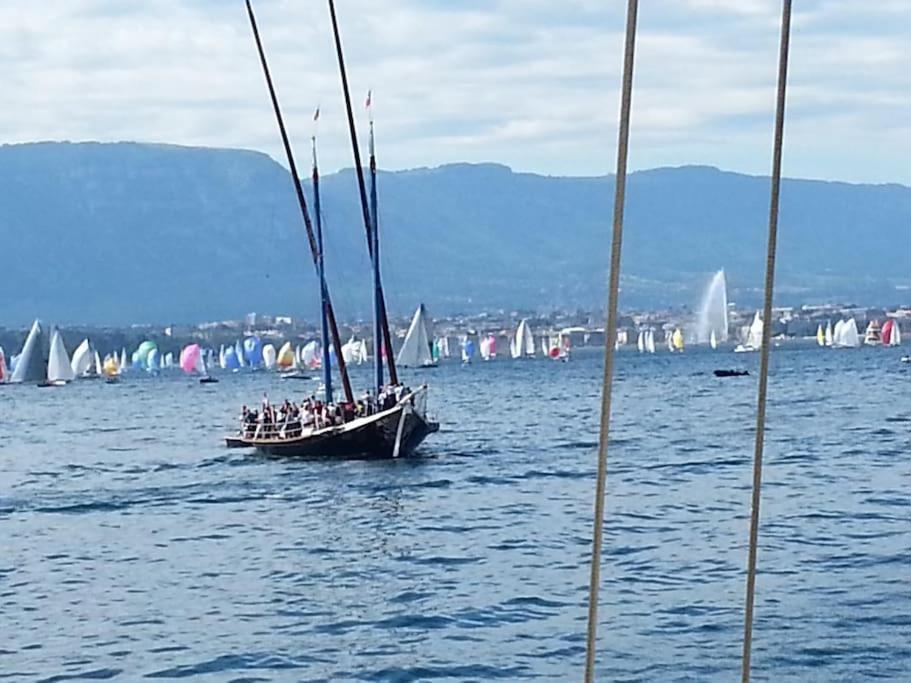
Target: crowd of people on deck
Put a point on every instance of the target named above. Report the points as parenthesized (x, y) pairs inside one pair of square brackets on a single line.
[(289, 420)]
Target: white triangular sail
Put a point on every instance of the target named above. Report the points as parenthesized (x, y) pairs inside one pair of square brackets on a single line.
[(310, 356), (640, 341), (122, 363), (713, 340), (416, 349), (523, 344), (484, 349), (59, 368), (200, 366), (896, 338), (82, 359), (30, 362), (754, 335), (269, 356), (351, 351), (650, 340), (829, 336), (849, 336)]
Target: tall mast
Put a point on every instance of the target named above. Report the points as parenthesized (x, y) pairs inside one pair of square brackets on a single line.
[(302, 201), (381, 302), (321, 267), (377, 296)]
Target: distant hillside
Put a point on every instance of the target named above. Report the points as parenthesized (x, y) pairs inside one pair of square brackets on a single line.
[(119, 233)]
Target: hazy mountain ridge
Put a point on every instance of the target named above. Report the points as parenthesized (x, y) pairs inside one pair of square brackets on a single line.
[(126, 232)]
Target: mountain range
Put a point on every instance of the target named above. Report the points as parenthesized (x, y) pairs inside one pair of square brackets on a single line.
[(126, 233)]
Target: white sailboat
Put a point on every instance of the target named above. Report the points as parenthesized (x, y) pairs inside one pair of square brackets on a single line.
[(310, 355), (59, 368), (640, 341), (650, 340), (82, 362), (713, 340), (270, 356), (873, 334), (467, 348), (30, 363), (417, 349), (846, 335), (754, 336), (484, 348), (523, 343)]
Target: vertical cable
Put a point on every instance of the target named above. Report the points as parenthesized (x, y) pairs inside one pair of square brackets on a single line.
[(766, 337), (611, 334)]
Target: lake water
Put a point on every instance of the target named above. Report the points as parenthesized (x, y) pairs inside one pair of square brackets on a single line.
[(135, 546)]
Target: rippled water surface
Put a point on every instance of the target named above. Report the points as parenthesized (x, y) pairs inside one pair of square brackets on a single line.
[(135, 546)]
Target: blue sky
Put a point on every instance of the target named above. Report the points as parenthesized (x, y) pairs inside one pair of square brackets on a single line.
[(529, 83)]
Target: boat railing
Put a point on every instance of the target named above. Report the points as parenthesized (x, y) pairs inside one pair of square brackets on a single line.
[(294, 429)]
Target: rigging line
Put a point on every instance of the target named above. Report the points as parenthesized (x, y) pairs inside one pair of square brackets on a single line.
[(766, 336), (362, 189), (613, 294), (299, 191)]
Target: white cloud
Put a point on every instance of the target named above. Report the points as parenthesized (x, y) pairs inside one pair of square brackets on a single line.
[(530, 83)]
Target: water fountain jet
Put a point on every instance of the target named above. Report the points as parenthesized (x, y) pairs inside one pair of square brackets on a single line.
[(713, 311)]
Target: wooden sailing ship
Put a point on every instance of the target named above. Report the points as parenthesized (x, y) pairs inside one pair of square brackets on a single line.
[(395, 428)]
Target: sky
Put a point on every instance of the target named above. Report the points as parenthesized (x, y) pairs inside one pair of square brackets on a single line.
[(528, 83)]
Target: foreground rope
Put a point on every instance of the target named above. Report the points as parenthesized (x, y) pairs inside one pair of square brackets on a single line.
[(610, 335), (766, 337)]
